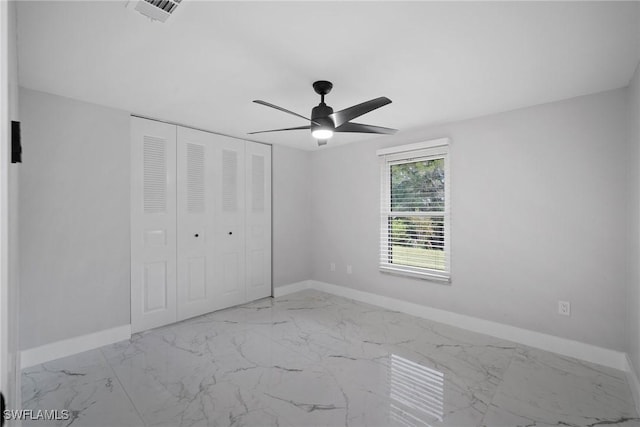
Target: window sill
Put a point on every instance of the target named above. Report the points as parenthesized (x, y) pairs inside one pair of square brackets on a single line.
[(422, 275)]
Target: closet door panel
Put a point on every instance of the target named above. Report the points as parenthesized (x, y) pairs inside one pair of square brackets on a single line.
[(195, 223), (200, 223), (258, 220), (229, 221), (153, 224)]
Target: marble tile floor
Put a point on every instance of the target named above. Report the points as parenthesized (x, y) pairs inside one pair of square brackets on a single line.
[(314, 359)]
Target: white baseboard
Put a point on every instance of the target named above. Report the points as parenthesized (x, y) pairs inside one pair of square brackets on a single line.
[(564, 346), (634, 383), (579, 350), (55, 350), (291, 288)]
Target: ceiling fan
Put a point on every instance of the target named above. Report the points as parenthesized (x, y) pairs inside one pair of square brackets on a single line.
[(324, 122)]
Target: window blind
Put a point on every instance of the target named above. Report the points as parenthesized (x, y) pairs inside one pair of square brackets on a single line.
[(415, 215)]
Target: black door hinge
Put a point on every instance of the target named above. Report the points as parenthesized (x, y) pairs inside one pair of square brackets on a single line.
[(16, 144)]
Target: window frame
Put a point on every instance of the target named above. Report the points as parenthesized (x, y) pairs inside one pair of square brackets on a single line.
[(423, 151)]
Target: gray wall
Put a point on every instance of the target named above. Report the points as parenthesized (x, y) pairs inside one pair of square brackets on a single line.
[(539, 214), (633, 300), (74, 218), (291, 212)]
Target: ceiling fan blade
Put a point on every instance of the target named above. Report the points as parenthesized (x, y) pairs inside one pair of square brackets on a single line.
[(362, 128), (268, 104), (278, 130), (343, 116)]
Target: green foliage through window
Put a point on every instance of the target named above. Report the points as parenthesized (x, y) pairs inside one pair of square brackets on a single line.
[(418, 186), (417, 239)]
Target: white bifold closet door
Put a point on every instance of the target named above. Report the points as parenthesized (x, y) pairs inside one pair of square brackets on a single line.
[(258, 220), (153, 224), (201, 223), (196, 272), (229, 221)]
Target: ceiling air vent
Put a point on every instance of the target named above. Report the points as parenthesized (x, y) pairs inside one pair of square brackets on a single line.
[(158, 10)]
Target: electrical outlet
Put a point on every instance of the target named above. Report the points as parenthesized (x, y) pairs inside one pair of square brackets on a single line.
[(332, 266), (349, 269), (564, 308)]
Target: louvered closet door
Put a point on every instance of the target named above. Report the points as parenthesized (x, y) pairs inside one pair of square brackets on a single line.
[(229, 236), (153, 224), (196, 267), (258, 220)]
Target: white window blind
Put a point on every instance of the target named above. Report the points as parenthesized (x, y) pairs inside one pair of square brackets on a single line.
[(415, 230)]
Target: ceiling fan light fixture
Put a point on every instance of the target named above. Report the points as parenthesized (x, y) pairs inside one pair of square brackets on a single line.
[(323, 134)]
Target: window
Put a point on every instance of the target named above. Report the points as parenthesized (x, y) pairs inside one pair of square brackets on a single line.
[(414, 223)]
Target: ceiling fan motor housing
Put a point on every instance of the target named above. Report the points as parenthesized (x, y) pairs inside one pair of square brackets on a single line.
[(320, 114)]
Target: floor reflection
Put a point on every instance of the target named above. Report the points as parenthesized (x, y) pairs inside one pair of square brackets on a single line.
[(416, 392)]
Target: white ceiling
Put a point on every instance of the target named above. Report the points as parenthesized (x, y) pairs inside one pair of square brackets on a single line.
[(437, 61)]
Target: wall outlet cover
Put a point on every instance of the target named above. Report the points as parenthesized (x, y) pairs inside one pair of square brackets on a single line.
[(564, 308)]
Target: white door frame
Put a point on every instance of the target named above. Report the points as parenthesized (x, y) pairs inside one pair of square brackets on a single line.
[(9, 379), (4, 198)]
